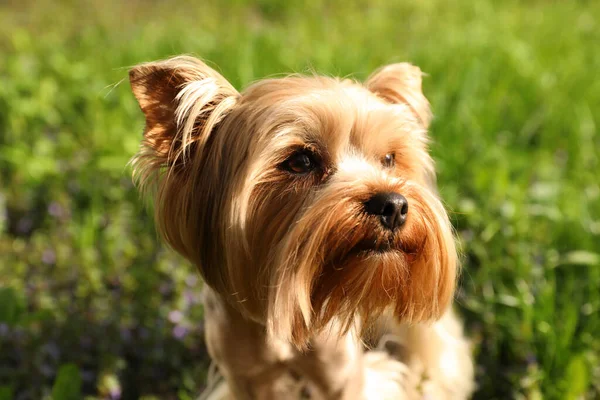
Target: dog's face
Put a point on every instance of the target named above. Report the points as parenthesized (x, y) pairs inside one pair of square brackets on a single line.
[(302, 200)]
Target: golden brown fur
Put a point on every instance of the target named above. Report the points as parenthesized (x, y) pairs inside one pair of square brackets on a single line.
[(297, 270)]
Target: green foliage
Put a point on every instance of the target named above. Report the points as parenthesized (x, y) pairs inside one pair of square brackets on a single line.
[(85, 282), (10, 306), (6, 393), (68, 383), (577, 378)]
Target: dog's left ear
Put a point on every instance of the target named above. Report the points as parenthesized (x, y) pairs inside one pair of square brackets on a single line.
[(183, 100), (401, 83)]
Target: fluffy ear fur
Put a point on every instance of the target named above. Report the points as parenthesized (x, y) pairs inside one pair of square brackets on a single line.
[(401, 83), (183, 100)]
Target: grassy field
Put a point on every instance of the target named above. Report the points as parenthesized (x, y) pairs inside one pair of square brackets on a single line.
[(91, 303)]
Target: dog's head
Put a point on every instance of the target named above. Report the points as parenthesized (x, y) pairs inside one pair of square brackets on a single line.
[(302, 199)]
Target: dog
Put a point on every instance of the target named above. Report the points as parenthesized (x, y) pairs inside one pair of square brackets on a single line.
[(309, 206)]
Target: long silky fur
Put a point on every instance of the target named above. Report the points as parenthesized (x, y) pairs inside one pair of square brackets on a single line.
[(285, 251), (294, 266)]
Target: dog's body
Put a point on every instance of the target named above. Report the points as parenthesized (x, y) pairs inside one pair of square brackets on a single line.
[(423, 362), (309, 206)]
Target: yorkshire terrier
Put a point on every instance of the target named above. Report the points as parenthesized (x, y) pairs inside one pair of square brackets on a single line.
[(309, 206)]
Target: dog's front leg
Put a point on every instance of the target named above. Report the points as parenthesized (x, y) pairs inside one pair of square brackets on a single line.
[(253, 367), (257, 368), (333, 367), (437, 354), (338, 368)]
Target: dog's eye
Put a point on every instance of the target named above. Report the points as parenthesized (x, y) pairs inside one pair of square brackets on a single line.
[(389, 160), (300, 162)]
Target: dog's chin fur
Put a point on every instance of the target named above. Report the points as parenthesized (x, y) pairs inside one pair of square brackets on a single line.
[(294, 251), (345, 265)]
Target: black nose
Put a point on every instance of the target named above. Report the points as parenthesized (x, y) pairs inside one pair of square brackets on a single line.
[(392, 209)]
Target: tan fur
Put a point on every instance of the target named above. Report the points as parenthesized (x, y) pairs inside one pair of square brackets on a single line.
[(295, 272)]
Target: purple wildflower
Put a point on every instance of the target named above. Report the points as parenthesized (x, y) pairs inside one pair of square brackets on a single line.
[(48, 257), (175, 316), (4, 330), (191, 280), (24, 225), (179, 332), (55, 210), (114, 392)]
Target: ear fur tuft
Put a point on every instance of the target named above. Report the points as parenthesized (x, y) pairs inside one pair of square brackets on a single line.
[(401, 83), (183, 100)]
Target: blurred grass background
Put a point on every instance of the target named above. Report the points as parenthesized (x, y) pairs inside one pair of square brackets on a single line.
[(91, 304)]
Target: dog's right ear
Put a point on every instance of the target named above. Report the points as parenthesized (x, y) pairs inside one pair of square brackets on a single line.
[(183, 100), (401, 83)]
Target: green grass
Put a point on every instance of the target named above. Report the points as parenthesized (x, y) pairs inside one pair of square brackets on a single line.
[(88, 294)]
